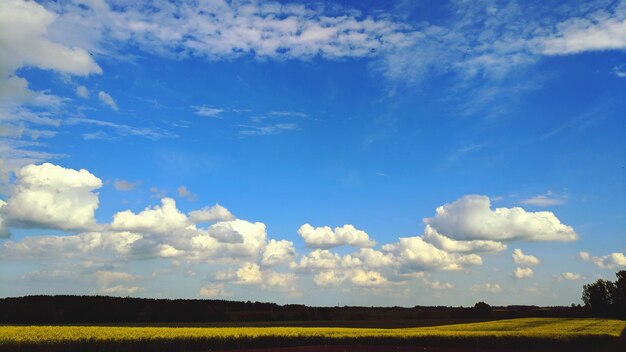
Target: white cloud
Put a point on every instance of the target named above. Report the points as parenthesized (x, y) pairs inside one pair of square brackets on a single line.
[(363, 278), (108, 100), (610, 261), (599, 32), (214, 291), (544, 200), (415, 254), (620, 71), (329, 278), (107, 278), (324, 260), (488, 287), (450, 245), (84, 245), (249, 274), (159, 219), (375, 259), (570, 276), (270, 129), (4, 229), (436, 285), (522, 259), (210, 214), (50, 196), (122, 130), (120, 290), (522, 273), (82, 92), (23, 27), (208, 111), (471, 218), (218, 30), (184, 192), (325, 237), (275, 279), (123, 185), (278, 252)]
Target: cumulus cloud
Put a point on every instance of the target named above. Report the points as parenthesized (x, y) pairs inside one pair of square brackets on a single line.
[(522, 259), (278, 252), (610, 261), (415, 254), (329, 278), (362, 278), (210, 214), (375, 259), (251, 274), (325, 237), (158, 219), (450, 245), (522, 273), (107, 99), (323, 260), (471, 218), (51, 196)]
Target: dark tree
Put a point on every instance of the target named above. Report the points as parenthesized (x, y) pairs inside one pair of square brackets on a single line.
[(619, 293), (606, 297), (597, 296), (482, 309)]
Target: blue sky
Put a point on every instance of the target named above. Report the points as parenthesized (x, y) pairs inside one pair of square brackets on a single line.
[(438, 153)]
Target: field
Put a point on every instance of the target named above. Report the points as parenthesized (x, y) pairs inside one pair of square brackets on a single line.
[(522, 333)]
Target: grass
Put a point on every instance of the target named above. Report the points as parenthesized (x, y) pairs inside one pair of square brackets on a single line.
[(513, 332)]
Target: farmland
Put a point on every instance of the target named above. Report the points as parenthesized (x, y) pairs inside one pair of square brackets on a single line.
[(524, 332)]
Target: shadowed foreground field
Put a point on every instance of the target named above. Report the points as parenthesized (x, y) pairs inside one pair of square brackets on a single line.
[(526, 333)]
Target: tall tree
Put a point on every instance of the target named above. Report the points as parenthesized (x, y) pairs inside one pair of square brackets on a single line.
[(598, 296)]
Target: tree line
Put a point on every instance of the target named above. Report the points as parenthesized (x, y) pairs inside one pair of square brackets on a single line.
[(602, 298)]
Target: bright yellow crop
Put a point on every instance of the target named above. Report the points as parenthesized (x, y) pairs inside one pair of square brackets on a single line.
[(545, 328)]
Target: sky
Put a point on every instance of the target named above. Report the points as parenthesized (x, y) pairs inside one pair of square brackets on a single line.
[(323, 153)]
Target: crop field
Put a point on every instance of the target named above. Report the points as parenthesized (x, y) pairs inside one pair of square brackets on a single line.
[(530, 332)]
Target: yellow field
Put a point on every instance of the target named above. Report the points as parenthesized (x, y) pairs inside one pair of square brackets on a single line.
[(543, 329)]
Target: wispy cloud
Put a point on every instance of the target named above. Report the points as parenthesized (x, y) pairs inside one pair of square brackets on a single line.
[(108, 100), (464, 150), (208, 111), (124, 185), (545, 200), (122, 130), (277, 128), (620, 71), (184, 192)]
